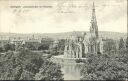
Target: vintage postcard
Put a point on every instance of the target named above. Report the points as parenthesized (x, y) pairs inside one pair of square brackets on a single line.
[(63, 40)]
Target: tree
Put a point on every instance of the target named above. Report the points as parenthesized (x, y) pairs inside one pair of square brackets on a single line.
[(43, 47), (121, 44), (45, 44), (30, 46), (54, 48), (127, 43), (1, 49), (58, 47), (9, 47), (49, 71), (61, 44), (105, 67), (24, 65), (109, 46)]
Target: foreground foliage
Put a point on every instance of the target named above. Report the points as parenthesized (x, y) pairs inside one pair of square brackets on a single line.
[(26, 65), (106, 66)]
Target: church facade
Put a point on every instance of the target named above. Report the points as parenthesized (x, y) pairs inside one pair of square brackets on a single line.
[(78, 46)]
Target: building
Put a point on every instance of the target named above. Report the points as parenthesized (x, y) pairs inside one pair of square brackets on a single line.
[(32, 43), (4, 42), (78, 46), (17, 41)]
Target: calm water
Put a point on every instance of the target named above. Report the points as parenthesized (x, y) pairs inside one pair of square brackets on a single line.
[(70, 68), (71, 71)]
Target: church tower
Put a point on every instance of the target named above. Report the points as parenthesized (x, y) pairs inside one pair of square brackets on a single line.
[(94, 37), (94, 27)]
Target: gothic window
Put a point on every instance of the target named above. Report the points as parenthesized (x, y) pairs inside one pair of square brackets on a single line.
[(75, 54), (67, 47), (78, 55), (92, 48)]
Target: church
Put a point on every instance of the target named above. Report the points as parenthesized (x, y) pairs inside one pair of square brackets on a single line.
[(78, 46)]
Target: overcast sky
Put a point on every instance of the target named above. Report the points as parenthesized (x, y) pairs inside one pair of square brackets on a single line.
[(53, 16)]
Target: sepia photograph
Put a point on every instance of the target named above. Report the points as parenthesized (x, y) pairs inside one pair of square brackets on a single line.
[(63, 40)]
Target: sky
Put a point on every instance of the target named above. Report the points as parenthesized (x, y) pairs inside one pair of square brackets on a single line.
[(55, 16)]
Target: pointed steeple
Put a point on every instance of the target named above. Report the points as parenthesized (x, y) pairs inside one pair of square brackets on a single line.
[(94, 27), (93, 6)]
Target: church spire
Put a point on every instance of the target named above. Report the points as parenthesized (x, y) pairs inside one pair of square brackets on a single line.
[(94, 27), (93, 6)]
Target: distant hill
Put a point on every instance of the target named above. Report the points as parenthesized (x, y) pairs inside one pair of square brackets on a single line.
[(104, 34)]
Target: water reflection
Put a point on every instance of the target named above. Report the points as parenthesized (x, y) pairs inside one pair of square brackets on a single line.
[(71, 71), (69, 67)]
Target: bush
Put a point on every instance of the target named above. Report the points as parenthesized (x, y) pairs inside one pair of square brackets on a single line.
[(26, 65), (105, 67)]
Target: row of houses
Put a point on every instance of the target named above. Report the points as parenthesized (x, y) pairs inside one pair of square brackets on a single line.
[(31, 43), (19, 41)]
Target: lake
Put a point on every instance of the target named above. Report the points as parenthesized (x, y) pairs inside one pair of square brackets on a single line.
[(71, 71), (69, 67)]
